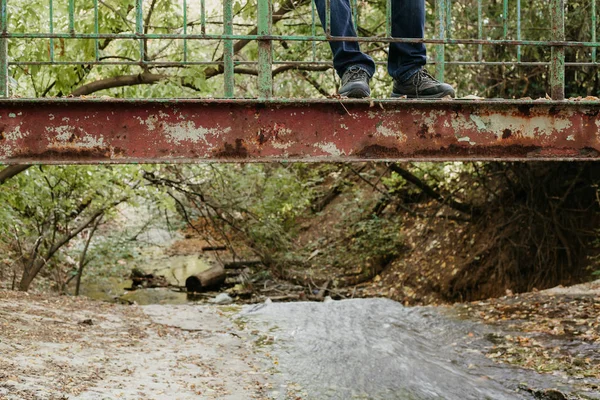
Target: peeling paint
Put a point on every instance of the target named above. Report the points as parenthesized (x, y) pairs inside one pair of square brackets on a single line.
[(527, 127), (389, 132), (282, 146), (329, 148), (62, 132), (188, 131), (478, 122)]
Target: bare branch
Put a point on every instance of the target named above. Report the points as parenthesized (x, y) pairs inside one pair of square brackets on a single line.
[(10, 171)]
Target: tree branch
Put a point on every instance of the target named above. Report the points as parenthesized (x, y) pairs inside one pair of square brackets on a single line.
[(118, 81), (431, 192), (10, 171)]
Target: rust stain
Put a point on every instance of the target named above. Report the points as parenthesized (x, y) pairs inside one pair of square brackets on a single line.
[(122, 131)]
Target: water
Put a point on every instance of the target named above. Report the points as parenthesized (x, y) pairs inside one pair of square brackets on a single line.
[(378, 349)]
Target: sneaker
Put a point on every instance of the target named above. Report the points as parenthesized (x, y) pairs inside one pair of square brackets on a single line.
[(422, 85), (355, 83)]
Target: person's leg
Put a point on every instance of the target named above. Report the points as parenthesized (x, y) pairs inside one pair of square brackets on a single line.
[(345, 54), (408, 21), (352, 65), (406, 60)]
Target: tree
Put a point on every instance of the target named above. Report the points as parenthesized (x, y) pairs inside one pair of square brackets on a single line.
[(47, 207)]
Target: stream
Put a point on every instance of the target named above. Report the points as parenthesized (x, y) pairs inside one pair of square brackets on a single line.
[(378, 349)]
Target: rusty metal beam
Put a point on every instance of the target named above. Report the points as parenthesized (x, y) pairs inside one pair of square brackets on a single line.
[(86, 131)]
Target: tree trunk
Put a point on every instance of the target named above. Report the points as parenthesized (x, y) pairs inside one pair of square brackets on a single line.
[(83, 255), (29, 274), (212, 278)]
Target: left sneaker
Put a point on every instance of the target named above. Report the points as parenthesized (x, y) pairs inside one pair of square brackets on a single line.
[(355, 83), (422, 85)]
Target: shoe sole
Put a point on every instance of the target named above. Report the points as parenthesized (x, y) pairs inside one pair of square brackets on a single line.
[(431, 96), (356, 93)]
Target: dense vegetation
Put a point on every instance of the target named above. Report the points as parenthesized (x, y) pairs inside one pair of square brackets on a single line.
[(506, 225)]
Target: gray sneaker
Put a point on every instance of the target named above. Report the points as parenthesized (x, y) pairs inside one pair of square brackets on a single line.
[(422, 85), (355, 83)]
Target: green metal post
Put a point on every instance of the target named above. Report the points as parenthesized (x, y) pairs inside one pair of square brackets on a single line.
[(139, 26), (518, 29), (265, 50), (354, 5), (313, 28), (388, 18), (440, 48), (96, 31), (185, 22), (72, 17), (448, 18), (328, 18), (557, 63), (479, 30), (202, 17), (594, 30), (51, 27), (505, 17), (228, 48), (3, 50)]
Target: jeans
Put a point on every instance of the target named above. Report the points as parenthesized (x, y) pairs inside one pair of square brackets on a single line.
[(404, 59)]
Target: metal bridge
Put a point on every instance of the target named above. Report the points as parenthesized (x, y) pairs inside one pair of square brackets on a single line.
[(251, 119)]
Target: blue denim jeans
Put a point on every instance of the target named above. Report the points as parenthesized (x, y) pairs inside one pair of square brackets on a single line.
[(404, 59)]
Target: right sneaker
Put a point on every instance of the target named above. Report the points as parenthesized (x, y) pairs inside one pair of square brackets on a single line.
[(355, 83), (422, 85)]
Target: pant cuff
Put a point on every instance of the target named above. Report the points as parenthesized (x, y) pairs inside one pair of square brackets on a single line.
[(408, 74)]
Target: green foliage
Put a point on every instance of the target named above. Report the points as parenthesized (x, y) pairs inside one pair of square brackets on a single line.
[(376, 238), (46, 207)]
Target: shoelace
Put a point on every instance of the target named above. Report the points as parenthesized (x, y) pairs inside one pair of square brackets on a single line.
[(356, 74), (419, 77)]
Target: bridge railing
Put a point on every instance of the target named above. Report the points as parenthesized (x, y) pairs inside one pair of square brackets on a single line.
[(206, 33)]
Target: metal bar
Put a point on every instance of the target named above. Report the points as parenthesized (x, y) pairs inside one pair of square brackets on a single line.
[(440, 49), (479, 30), (448, 18), (354, 5), (92, 131), (4, 92), (593, 29), (72, 17), (328, 18), (388, 18), (139, 27), (176, 63), (185, 22), (557, 63), (364, 39), (202, 17), (96, 31), (265, 50), (51, 27), (519, 29), (505, 18), (313, 28), (228, 77)]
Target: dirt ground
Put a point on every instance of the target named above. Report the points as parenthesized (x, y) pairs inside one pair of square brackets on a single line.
[(65, 347)]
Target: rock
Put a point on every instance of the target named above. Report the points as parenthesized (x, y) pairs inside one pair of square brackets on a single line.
[(222, 298), (268, 300), (327, 299)]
